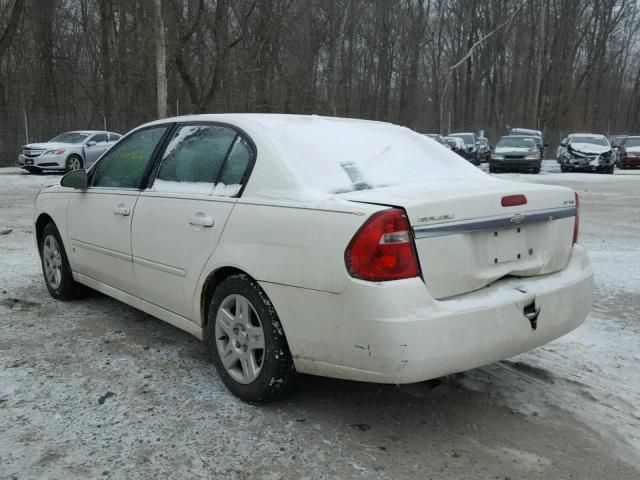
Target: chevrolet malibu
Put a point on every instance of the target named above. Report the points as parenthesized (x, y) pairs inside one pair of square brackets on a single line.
[(300, 244)]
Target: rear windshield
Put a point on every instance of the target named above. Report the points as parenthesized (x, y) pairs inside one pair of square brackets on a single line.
[(336, 156), (516, 142)]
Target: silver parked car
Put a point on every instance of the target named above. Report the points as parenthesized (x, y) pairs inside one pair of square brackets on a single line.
[(67, 151)]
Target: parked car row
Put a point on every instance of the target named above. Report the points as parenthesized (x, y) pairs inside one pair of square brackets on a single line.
[(68, 151)]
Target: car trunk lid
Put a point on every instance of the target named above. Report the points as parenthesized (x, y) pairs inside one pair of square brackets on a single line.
[(466, 239)]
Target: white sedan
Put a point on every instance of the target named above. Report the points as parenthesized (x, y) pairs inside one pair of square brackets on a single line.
[(301, 244)]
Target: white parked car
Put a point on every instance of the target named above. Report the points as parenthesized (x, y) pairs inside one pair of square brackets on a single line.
[(68, 151), (300, 244)]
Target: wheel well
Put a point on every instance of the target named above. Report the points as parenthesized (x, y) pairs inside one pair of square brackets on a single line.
[(213, 280), (43, 221)]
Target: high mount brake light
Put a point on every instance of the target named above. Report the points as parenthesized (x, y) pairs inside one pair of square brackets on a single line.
[(576, 225), (513, 200), (383, 249)]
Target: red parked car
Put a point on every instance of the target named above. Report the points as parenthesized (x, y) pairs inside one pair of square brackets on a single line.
[(629, 153)]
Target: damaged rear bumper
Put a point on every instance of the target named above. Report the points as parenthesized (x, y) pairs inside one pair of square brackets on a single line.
[(398, 334)]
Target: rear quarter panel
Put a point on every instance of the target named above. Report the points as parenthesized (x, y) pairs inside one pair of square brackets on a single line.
[(301, 246)]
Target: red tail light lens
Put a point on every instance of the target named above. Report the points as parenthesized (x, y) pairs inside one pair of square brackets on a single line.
[(383, 249), (576, 225), (513, 200)]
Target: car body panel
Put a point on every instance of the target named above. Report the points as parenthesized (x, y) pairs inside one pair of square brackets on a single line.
[(99, 231), (169, 250)]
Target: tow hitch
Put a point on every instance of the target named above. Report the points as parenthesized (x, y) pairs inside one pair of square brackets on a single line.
[(532, 312)]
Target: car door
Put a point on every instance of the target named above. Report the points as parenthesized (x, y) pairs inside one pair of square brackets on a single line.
[(94, 147), (178, 220), (99, 218)]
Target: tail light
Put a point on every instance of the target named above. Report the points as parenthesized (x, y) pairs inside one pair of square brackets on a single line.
[(576, 225), (383, 249)]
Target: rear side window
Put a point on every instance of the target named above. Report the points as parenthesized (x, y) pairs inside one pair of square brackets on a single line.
[(203, 160), (124, 166), (237, 163)]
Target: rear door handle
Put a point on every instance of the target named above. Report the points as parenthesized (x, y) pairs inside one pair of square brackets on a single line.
[(200, 220), (121, 210)]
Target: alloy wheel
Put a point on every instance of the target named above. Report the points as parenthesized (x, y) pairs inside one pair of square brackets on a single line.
[(239, 338), (52, 259)]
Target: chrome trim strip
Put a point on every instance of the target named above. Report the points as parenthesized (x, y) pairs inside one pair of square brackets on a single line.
[(160, 266), (104, 251), (495, 222)]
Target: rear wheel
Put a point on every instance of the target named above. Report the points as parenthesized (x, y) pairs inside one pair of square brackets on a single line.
[(55, 266), (247, 343), (74, 162)]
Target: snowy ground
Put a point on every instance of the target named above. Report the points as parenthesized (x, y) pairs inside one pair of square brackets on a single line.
[(94, 388)]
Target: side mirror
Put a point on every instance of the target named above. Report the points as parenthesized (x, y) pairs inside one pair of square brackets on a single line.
[(91, 143), (75, 179)]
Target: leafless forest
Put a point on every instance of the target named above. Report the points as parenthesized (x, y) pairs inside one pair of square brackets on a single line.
[(432, 65)]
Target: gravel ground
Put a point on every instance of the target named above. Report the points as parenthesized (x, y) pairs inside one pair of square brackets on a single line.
[(96, 389)]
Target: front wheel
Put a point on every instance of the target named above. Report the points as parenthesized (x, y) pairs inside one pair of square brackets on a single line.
[(247, 343), (55, 266), (74, 162)]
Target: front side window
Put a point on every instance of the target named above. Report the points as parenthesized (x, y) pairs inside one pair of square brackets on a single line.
[(203, 160), (70, 137), (99, 138), (124, 166)]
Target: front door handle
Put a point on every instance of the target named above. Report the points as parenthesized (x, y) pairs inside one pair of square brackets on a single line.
[(121, 210), (200, 220)]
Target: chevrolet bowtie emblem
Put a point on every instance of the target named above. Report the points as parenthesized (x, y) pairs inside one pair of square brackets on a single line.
[(517, 219)]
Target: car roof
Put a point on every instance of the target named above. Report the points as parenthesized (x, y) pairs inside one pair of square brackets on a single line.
[(537, 133), (524, 137), (276, 175), (595, 135)]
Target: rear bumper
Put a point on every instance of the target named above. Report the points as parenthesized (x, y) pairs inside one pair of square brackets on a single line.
[(396, 333)]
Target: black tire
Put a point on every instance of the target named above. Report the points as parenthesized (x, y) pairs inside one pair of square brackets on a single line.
[(610, 170), (69, 165), (67, 288), (536, 170), (277, 376), (492, 169)]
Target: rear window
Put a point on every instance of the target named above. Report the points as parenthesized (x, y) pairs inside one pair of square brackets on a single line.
[(516, 142), (335, 156)]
